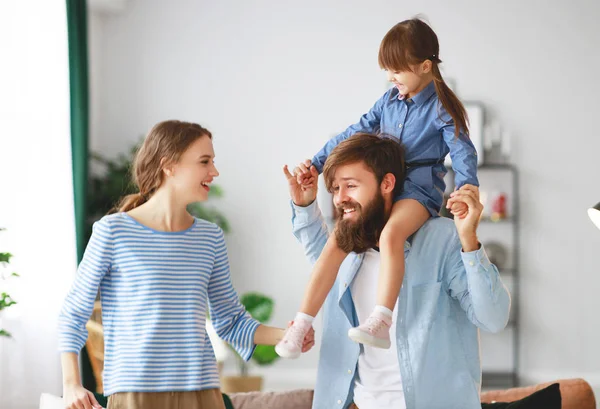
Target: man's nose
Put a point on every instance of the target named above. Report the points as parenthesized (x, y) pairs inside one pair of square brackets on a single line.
[(342, 196)]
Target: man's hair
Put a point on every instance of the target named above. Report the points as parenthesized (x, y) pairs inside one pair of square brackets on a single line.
[(381, 154)]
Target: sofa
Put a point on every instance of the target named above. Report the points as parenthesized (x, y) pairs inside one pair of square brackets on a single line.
[(576, 394)]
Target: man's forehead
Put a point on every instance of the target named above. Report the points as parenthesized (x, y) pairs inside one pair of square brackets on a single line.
[(352, 171)]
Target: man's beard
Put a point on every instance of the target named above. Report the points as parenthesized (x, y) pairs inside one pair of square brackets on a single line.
[(363, 233)]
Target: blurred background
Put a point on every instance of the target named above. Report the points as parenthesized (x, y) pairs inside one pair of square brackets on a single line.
[(273, 80)]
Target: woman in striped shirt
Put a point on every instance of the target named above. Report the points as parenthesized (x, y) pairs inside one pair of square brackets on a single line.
[(159, 271)]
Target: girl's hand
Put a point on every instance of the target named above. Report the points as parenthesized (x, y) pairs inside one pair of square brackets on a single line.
[(304, 175), (76, 397), (467, 226), (458, 208)]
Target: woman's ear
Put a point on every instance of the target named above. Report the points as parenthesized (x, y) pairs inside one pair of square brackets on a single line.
[(167, 170), (388, 183)]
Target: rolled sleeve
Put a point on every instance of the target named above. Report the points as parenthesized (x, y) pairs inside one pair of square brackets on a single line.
[(243, 343), (305, 215), (473, 260)]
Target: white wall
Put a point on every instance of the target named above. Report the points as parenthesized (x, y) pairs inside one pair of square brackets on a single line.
[(273, 80)]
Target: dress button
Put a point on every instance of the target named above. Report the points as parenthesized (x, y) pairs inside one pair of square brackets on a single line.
[(350, 371), (471, 263), (399, 125), (339, 402)]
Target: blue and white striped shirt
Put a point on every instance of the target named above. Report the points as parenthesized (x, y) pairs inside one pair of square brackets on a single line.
[(155, 289)]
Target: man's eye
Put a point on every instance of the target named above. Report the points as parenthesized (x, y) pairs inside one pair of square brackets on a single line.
[(336, 188), (351, 186)]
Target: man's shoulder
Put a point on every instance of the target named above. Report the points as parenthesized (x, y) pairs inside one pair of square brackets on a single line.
[(439, 226), (435, 233)]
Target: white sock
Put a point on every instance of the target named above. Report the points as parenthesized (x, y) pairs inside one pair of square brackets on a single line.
[(384, 310), (300, 316)]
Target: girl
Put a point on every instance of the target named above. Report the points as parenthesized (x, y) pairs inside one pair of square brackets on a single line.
[(159, 270), (423, 114)]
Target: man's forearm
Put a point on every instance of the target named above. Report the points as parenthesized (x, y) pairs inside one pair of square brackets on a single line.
[(304, 203), (469, 242)]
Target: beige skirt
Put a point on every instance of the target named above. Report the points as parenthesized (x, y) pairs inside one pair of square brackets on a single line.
[(205, 399)]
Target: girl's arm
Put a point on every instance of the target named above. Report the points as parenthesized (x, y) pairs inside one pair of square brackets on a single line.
[(368, 123), (462, 151)]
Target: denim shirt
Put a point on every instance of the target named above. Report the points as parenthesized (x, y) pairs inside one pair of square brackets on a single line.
[(424, 128), (447, 296)]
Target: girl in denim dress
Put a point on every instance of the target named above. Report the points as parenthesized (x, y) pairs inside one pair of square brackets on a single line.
[(423, 114)]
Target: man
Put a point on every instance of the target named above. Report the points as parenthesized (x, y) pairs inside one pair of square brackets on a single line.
[(450, 289)]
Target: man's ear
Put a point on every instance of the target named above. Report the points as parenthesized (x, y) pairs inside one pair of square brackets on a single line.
[(388, 183)]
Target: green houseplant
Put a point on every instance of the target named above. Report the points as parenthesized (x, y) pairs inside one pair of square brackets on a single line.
[(260, 307), (5, 299)]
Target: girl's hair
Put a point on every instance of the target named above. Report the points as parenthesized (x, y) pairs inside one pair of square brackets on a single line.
[(411, 42), (168, 140)]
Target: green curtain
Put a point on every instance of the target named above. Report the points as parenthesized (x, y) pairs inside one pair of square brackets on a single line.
[(78, 78)]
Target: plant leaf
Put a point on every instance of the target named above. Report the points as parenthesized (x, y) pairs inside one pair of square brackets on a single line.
[(4, 333), (265, 354), (6, 301), (259, 306), (5, 257), (210, 214)]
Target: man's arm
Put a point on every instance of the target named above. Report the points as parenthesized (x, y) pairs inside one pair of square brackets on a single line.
[(475, 283), (471, 278), (308, 224)]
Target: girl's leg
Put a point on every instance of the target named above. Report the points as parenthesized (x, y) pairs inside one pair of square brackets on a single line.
[(321, 280), (407, 216)]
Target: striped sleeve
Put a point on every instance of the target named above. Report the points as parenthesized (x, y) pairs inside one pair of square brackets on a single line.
[(229, 317), (79, 303)]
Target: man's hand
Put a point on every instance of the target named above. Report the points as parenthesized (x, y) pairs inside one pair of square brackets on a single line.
[(309, 339), (303, 183), (467, 195)]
